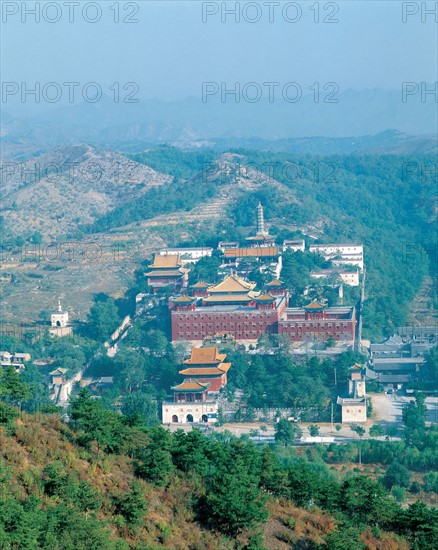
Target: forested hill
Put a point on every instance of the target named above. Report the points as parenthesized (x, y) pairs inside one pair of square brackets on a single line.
[(387, 202), (106, 482)]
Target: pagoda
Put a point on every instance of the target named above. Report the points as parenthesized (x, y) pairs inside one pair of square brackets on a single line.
[(262, 237), (207, 365)]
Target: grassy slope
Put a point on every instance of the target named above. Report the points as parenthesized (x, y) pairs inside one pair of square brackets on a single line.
[(170, 520)]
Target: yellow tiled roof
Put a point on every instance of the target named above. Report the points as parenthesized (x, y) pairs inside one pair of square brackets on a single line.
[(172, 260), (205, 356), (206, 371), (232, 283), (315, 305), (191, 385)]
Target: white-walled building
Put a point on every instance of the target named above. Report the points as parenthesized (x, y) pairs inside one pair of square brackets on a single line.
[(350, 278), (59, 323), (340, 254), (354, 407), (295, 246), (187, 255), (184, 413)]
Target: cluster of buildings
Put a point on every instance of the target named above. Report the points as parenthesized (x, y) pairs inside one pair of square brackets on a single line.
[(17, 360), (399, 360), (234, 309), (196, 398)]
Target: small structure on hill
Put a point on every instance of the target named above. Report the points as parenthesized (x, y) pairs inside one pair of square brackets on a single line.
[(59, 322)]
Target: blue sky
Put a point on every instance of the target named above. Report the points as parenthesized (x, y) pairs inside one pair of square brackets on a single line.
[(171, 51)]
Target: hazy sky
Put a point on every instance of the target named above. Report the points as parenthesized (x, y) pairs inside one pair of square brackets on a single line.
[(170, 51)]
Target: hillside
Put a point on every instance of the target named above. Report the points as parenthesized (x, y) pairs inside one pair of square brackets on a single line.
[(166, 196), (142, 489), (52, 193)]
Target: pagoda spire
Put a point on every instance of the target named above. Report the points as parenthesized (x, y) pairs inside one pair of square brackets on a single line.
[(260, 220)]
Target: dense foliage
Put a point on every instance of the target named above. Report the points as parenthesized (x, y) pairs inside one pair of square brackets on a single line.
[(221, 483)]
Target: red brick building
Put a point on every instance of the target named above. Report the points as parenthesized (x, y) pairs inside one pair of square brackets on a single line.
[(233, 308), (316, 322)]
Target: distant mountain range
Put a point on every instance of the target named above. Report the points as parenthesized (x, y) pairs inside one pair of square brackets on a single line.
[(281, 126)]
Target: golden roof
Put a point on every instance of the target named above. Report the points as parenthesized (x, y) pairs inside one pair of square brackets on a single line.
[(230, 298), (206, 371), (205, 356), (232, 283), (275, 282), (183, 300), (200, 284), (191, 385), (166, 262), (315, 305), (167, 272), (265, 298)]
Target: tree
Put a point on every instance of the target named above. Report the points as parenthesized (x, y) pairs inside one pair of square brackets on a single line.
[(102, 426), (376, 430), (365, 501), (103, 319), (286, 432), (396, 474), (12, 387), (142, 406), (414, 419), (314, 430), (233, 501), (132, 505), (360, 430)]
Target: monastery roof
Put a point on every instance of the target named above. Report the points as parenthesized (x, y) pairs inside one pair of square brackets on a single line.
[(232, 283), (351, 401), (315, 305), (166, 262), (59, 370), (205, 356), (226, 298), (265, 298), (191, 385), (252, 252), (167, 272), (183, 300), (206, 371), (275, 282)]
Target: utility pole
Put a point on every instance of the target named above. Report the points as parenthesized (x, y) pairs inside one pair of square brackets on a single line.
[(331, 416), (336, 380)]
